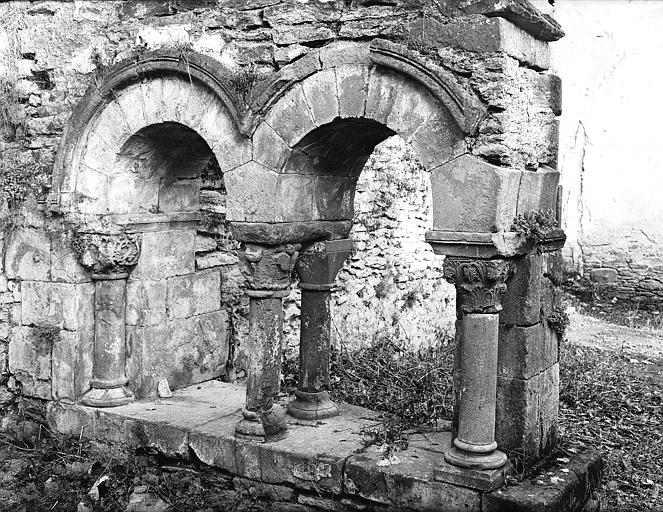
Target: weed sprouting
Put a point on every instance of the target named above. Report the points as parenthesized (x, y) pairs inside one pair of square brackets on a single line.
[(535, 225)]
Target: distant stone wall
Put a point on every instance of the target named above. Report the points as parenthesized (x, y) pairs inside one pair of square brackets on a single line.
[(632, 275), (609, 155)]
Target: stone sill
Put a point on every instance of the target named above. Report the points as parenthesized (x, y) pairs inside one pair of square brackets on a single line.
[(326, 457), (505, 244), (132, 222)]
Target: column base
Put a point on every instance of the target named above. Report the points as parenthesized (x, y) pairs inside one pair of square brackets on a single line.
[(493, 460), (250, 427), (107, 397), (312, 406)]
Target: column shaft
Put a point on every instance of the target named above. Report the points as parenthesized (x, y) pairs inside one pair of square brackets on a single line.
[(109, 333), (264, 352), (314, 341), (478, 382)]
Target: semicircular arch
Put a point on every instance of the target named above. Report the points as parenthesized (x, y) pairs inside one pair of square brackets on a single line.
[(163, 89)]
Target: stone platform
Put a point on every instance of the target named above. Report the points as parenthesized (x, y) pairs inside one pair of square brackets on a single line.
[(323, 464)]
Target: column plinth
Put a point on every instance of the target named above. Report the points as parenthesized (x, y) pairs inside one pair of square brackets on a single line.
[(317, 268), (268, 270), (110, 258), (479, 286)]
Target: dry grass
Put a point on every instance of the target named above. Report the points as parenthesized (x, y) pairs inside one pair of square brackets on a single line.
[(614, 403)]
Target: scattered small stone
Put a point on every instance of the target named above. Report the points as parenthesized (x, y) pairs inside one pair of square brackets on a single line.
[(163, 389), (51, 486), (83, 508), (146, 502), (98, 488)]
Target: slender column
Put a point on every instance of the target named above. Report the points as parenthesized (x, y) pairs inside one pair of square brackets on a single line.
[(317, 268), (267, 269), (109, 258), (479, 286)]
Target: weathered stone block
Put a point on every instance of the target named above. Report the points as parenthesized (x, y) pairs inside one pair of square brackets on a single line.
[(131, 193), (472, 195), (383, 87), (179, 196), (321, 95), (522, 301), (345, 52), (205, 243), (548, 92), (251, 193), (604, 275), (28, 255), (352, 86), (406, 489), (216, 259), (526, 412), (30, 360), (146, 302), (481, 34), (265, 491), (412, 107), (525, 351), (63, 305), (193, 294), (213, 201), (65, 266), (166, 254), (549, 407), (72, 363), (290, 117), (289, 34), (270, 150), (538, 190), (184, 351)]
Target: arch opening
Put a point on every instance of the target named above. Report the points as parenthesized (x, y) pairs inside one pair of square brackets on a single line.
[(339, 148), (168, 150)]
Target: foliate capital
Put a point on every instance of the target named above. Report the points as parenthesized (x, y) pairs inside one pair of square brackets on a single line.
[(268, 267), (479, 283), (108, 254)]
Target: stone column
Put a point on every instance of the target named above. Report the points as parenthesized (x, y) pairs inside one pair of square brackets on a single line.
[(268, 270), (317, 268), (109, 258), (479, 286)]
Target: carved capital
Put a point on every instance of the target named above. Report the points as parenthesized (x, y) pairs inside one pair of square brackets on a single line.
[(268, 268), (318, 265), (479, 283), (110, 255)]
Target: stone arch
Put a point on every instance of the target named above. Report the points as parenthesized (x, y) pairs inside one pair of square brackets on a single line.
[(137, 108), (318, 121)]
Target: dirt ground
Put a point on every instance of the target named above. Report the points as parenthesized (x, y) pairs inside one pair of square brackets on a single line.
[(593, 332)]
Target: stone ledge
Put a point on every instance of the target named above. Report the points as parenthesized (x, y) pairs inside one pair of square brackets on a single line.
[(504, 244), (520, 13), (564, 488), (476, 33), (328, 459)]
